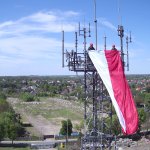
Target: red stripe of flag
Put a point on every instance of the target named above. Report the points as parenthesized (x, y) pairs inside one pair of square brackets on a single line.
[(122, 91)]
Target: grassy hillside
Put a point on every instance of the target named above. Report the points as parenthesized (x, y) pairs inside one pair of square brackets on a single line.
[(47, 114)]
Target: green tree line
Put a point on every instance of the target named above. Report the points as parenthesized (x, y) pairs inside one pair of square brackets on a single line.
[(10, 125)]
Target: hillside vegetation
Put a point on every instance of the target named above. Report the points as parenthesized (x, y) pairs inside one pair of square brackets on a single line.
[(46, 101), (46, 115)]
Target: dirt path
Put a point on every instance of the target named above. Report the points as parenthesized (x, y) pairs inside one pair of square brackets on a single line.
[(41, 125), (35, 113), (44, 126)]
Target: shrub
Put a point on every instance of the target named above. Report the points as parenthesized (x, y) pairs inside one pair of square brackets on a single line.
[(27, 97)]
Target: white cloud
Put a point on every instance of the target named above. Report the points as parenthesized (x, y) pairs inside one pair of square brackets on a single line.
[(107, 24), (33, 33), (41, 21), (32, 40)]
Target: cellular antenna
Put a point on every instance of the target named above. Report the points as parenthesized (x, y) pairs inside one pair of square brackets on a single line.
[(62, 48), (105, 42), (121, 35), (130, 37), (128, 40), (76, 41)]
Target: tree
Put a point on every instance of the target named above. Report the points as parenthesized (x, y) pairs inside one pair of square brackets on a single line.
[(66, 127), (148, 89), (12, 126), (139, 98), (142, 117), (9, 121), (4, 106), (115, 126), (2, 131), (12, 131), (2, 96), (147, 100)]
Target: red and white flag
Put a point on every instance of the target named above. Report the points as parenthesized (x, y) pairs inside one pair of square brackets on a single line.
[(109, 65)]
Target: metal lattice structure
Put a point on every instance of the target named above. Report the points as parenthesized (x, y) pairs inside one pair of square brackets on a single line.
[(97, 104), (95, 96)]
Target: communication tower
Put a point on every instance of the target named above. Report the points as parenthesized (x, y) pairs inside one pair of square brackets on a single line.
[(97, 104)]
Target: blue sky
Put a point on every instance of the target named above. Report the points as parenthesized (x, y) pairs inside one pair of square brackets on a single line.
[(30, 32)]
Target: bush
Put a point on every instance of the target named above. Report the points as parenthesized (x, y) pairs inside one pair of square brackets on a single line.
[(2, 96), (136, 137), (142, 115), (4, 106), (27, 97)]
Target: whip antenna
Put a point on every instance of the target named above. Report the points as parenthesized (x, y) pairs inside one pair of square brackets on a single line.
[(95, 20), (62, 48)]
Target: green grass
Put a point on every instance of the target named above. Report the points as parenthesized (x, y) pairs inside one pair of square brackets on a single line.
[(63, 113), (51, 109)]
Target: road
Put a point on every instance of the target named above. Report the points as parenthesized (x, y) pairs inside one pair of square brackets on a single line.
[(46, 144)]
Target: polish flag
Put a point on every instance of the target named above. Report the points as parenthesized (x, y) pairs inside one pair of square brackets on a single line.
[(109, 65)]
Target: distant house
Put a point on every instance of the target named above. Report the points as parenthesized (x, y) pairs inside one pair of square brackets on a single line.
[(138, 89)]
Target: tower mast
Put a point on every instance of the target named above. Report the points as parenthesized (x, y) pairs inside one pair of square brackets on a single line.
[(97, 135)]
